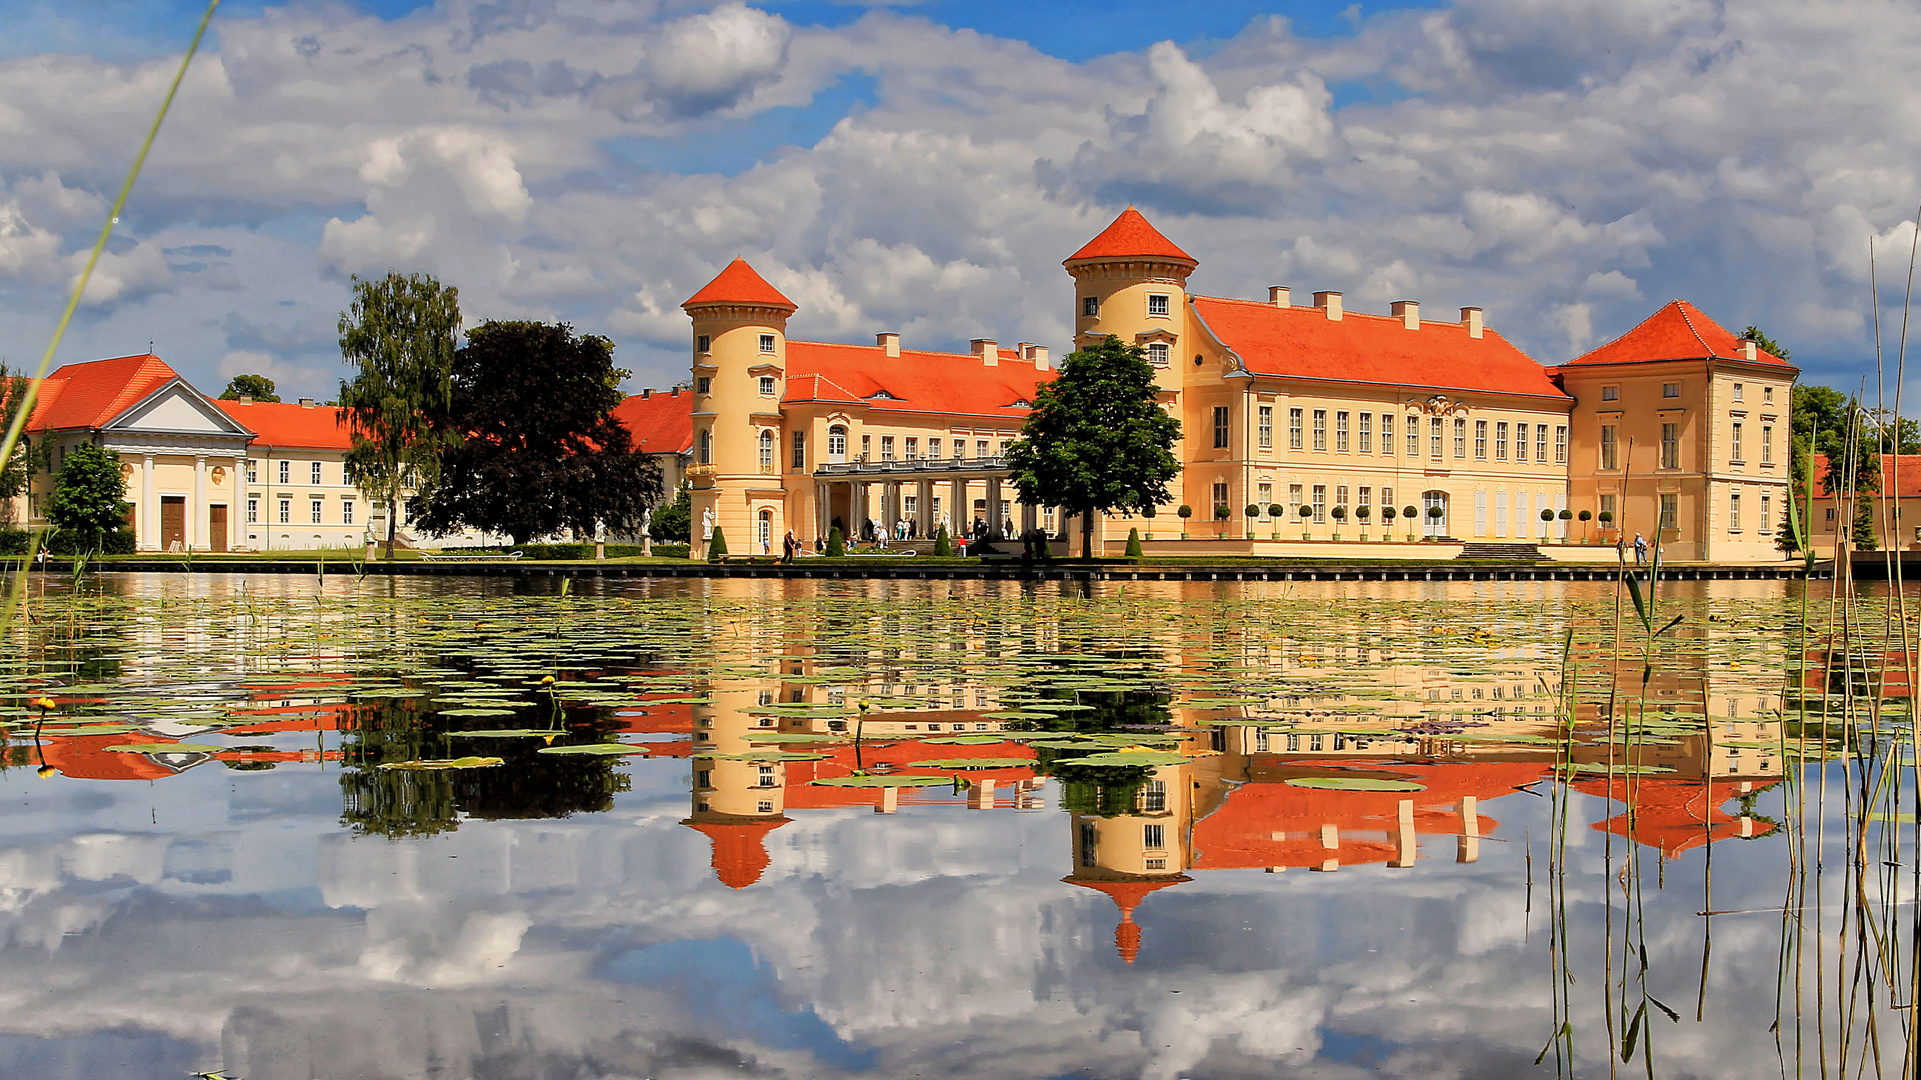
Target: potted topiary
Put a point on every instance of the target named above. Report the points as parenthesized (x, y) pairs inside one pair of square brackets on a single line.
[(1585, 518), (1565, 515), (1361, 514), (1547, 520), (1251, 511), (1435, 513), (1388, 514), (1606, 518), (1410, 513), (1275, 512), (1148, 513), (1306, 512), (1186, 512), (1340, 514), (1221, 513)]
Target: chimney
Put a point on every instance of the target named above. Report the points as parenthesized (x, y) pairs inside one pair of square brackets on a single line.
[(1747, 349), (889, 343), (676, 389), (1330, 305), (988, 351), (1038, 354), (306, 403), (246, 399), (1408, 312), (646, 393), (1278, 296), (1471, 318)]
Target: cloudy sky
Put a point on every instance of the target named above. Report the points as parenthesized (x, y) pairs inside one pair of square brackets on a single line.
[(925, 167)]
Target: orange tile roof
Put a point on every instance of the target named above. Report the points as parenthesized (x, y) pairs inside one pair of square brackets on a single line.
[(1130, 237), (87, 395), (1671, 814), (1127, 895), (1679, 331), (914, 381), (739, 284), (1908, 476), (740, 847), (279, 423), (1303, 343), (660, 424)]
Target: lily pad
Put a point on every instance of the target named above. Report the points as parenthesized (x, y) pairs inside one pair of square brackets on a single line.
[(965, 740), (452, 763), (882, 781), (502, 733), (975, 763), (1124, 758), (597, 749), (1353, 783), (166, 748)]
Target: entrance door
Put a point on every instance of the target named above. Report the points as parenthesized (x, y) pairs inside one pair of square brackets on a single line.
[(173, 521), (217, 527), (1436, 523), (766, 532)]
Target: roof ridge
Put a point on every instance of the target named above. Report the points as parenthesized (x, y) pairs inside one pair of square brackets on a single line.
[(1681, 307)]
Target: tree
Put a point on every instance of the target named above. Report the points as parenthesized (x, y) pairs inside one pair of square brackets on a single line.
[(16, 474), (539, 449), (1766, 343), (1097, 440), (257, 387), (89, 495), (674, 521), (400, 332)]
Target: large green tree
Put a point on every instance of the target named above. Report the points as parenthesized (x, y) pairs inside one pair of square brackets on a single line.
[(538, 447), (400, 334), (16, 473), (89, 495), (257, 387), (1097, 440)]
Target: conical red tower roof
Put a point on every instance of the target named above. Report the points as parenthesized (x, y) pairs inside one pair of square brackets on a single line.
[(1127, 895), (740, 848), (1679, 331), (1131, 237), (739, 284)]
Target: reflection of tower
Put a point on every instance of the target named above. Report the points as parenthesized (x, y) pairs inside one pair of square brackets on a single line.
[(1130, 855), (736, 802)]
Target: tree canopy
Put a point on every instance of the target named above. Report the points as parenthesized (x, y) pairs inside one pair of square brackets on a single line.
[(400, 334), (16, 473), (1097, 440), (89, 494), (257, 387), (536, 448)]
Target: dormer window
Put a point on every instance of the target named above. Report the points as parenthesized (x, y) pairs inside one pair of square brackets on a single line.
[(1610, 393), (1090, 306), (881, 395), (703, 343), (1670, 389), (767, 343), (767, 386), (1020, 403)]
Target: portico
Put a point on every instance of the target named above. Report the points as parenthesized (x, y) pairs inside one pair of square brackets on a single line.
[(941, 493)]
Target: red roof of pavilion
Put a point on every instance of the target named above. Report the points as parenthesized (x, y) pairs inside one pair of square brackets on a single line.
[(739, 284), (1678, 331), (740, 848), (290, 424), (87, 395), (661, 423), (1130, 236), (915, 381)]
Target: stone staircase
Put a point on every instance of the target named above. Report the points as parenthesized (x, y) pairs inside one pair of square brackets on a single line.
[(1501, 552)]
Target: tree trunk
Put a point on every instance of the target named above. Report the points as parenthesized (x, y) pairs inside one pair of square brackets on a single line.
[(393, 506), (1087, 533)]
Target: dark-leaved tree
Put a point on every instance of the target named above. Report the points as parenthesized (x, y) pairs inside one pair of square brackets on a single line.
[(257, 387), (89, 495), (1098, 439), (538, 450)]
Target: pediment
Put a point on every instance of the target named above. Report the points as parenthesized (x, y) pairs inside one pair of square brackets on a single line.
[(1146, 336), (176, 408)]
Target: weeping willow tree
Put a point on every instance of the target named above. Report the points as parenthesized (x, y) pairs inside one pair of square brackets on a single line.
[(400, 334)]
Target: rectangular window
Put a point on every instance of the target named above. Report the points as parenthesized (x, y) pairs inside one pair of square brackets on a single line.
[(1387, 496), (1737, 391), (1294, 499), (1767, 444), (1157, 354), (316, 473), (1340, 431), (933, 449), (912, 448), (1670, 447), (1294, 429), (800, 450), (1480, 513), (1154, 836), (1362, 495), (1436, 435), (1766, 525), (286, 511), (1220, 427), (887, 448), (1734, 511), (702, 343), (1610, 393), (867, 447), (313, 510), (1767, 395), (1609, 457), (346, 511), (704, 447), (1540, 444), (1090, 306), (1320, 502), (1267, 427), (766, 386), (1560, 444), (767, 343), (1500, 441), (1157, 303), (1607, 507), (253, 471), (1500, 513), (1367, 433), (1480, 440), (1265, 496), (1320, 429), (286, 472), (1670, 510), (1670, 389), (253, 511), (1220, 496), (980, 448), (1413, 437), (703, 385), (1340, 495), (1734, 443)]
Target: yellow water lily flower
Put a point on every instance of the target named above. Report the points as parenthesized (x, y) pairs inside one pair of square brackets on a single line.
[(44, 703), (45, 771)]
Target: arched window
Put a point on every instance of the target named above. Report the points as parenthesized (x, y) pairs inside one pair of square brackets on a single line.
[(837, 443), (766, 451), (706, 447), (766, 532)]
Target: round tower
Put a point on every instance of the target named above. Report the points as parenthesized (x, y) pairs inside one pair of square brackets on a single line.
[(740, 339), (1131, 282)]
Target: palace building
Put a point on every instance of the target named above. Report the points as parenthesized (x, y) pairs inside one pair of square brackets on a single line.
[(1318, 419)]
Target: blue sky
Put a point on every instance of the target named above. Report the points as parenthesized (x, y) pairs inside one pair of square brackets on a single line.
[(924, 167)]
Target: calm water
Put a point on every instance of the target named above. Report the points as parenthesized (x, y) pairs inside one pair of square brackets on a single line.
[(1323, 830)]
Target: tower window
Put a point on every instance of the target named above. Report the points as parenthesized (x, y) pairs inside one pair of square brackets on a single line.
[(767, 343), (767, 386), (1157, 354), (1157, 304), (1220, 427), (703, 343), (703, 385), (1090, 306)]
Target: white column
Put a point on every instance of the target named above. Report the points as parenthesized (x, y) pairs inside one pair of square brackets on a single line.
[(994, 506), (959, 513), (197, 510), (1030, 517), (237, 505), (147, 517), (924, 508), (823, 511)]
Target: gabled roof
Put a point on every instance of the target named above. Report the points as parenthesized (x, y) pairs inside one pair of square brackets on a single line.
[(739, 284), (1303, 343), (1130, 237), (289, 424), (661, 423), (1679, 331), (89, 394), (914, 381)]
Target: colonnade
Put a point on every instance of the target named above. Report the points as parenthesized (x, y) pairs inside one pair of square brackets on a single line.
[(888, 505)]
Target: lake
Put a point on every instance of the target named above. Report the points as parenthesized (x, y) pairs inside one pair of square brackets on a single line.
[(293, 827)]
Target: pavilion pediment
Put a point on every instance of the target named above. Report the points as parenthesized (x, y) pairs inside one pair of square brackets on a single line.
[(176, 409)]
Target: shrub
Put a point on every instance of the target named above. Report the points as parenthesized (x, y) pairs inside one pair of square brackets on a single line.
[(1362, 512), (673, 551), (68, 542), (1585, 516), (1306, 511), (1185, 511), (13, 541), (1221, 512), (717, 547), (1546, 514), (1339, 512), (1387, 513), (1434, 512), (1133, 543), (1607, 516), (580, 551), (837, 544), (1276, 511), (1566, 515), (1409, 512), (1252, 510), (943, 543)]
